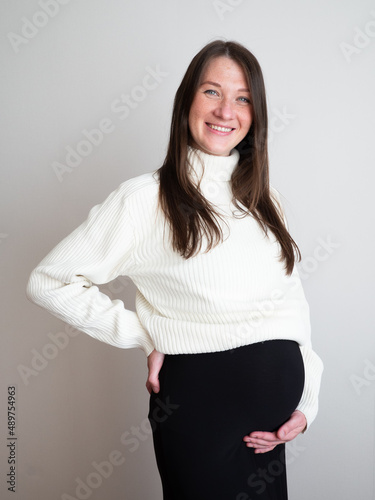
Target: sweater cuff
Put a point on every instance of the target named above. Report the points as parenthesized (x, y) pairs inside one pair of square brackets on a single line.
[(142, 336), (310, 414), (146, 345), (308, 404)]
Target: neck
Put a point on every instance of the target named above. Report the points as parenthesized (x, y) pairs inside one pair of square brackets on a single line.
[(205, 166)]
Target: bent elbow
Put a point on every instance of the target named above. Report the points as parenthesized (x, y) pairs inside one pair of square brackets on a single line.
[(35, 288), (41, 286)]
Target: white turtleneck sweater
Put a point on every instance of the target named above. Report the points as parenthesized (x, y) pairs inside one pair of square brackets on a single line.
[(236, 294)]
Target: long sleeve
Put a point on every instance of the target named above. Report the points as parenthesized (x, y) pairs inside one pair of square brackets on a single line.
[(308, 404), (97, 251)]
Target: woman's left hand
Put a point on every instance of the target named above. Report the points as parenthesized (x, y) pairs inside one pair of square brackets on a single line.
[(266, 441)]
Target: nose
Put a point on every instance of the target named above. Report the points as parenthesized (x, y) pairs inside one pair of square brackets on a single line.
[(224, 109)]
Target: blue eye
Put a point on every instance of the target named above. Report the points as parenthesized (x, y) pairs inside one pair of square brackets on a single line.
[(245, 100), (210, 92)]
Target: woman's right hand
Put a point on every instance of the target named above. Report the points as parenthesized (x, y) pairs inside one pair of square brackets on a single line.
[(154, 363)]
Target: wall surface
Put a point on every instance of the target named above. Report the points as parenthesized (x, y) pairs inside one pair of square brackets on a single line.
[(69, 67)]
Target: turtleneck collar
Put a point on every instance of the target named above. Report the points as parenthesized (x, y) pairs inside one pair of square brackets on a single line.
[(218, 168)]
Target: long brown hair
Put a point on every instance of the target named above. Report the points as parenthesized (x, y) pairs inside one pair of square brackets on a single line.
[(189, 214)]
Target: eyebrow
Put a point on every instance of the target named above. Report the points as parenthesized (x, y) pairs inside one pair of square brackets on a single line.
[(218, 85)]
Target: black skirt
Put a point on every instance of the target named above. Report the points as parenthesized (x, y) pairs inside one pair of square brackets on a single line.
[(207, 403)]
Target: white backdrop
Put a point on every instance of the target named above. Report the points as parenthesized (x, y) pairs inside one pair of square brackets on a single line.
[(72, 67)]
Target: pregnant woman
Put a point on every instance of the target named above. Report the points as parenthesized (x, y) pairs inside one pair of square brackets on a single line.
[(220, 310)]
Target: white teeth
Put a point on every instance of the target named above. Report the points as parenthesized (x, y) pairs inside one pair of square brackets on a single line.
[(220, 129)]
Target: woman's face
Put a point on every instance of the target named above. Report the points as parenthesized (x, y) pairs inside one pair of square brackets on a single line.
[(221, 113)]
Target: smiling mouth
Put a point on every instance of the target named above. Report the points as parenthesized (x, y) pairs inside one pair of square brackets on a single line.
[(220, 129)]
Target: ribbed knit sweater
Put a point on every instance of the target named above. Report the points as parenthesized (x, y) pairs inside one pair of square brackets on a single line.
[(233, 295)]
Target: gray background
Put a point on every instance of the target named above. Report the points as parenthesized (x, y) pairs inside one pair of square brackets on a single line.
[(318, 63)]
